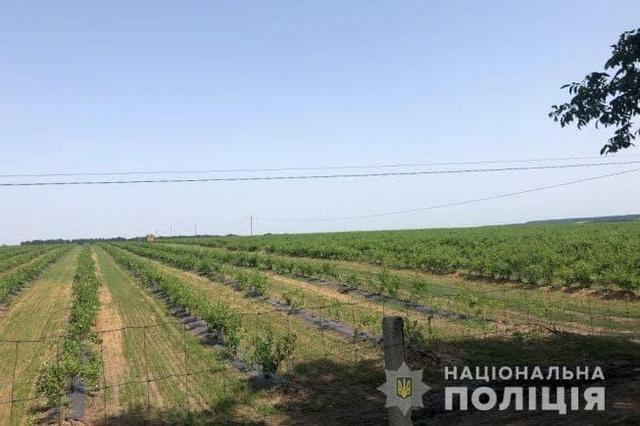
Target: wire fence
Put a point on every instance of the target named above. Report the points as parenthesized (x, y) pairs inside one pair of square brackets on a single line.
[(170, 366), (164, 366)]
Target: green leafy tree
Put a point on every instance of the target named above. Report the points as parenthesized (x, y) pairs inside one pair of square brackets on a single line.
[(610, 99)]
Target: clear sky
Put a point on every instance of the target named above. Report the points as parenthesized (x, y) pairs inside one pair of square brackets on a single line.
[(152, 85)]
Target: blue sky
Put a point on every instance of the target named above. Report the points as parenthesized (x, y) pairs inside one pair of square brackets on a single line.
[(148, 85)]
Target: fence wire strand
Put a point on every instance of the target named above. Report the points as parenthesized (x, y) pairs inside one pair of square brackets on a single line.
[(330, 345)]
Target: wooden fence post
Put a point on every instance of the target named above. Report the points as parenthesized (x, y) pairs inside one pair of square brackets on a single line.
[(394, 356)]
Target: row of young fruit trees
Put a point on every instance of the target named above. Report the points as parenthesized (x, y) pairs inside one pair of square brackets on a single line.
[(581, 254), (77, 360), (241, 260), (24, 268), (266, 351)]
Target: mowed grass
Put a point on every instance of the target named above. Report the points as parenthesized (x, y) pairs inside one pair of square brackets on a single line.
[(41, 309), (163, 354)]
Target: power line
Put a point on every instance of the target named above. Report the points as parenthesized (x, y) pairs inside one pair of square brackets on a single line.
[(313, 177), (292, 169), (458, 203)]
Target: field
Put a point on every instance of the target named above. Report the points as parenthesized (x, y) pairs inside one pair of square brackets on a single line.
[(286, 329), (577, 254)]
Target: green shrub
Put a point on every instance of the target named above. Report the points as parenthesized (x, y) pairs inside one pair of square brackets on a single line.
[(335, 310), (388, 282), (269, 352), (209, 268), (414, 334), (417, 285), (294, 298), (258, 282), (77, 359), (351, 280), (51, 383)]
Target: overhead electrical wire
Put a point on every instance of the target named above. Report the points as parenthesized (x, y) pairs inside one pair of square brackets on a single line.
[(293, 169), (313, 177), (457, 203)]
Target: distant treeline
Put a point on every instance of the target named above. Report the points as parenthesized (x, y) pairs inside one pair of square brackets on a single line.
[(76, 241), (620, 218)]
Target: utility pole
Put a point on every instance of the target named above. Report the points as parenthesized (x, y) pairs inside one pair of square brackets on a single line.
[(171, 230), (251, 224), (195, 230)]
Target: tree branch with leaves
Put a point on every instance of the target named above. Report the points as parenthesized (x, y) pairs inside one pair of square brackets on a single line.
[(610, 98)]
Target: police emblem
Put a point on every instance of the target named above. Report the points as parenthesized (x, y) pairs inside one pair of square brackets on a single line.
[(404, 388)]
